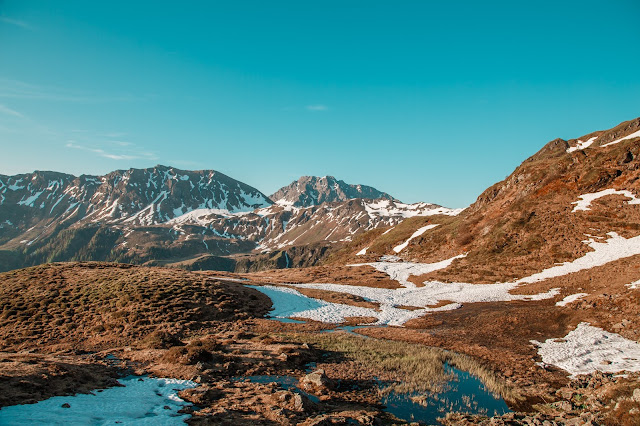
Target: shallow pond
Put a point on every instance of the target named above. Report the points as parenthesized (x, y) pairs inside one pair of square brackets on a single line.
[(142, 401), (464, 393)]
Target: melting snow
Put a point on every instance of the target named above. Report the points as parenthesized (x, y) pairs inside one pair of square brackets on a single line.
[(139, 403), (419, 232), (587, 349), (631, 136), (292, 303), (582, 145), (570, 299), (585, 200), (431, 294), (401, 271), (614, 248), (289, 303), (434, 292)]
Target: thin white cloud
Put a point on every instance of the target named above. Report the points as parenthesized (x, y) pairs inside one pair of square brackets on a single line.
[(16, 89), (17, 23), (100, 152), (8, 111), (317, 107)]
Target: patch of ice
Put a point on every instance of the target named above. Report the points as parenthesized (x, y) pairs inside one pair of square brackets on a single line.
[(580, 145), (416, 234), (138, 402), (588, 349), (585, 200), (570, 299), (631, 136)]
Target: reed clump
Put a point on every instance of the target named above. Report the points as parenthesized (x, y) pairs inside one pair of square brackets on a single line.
[(408, 367)]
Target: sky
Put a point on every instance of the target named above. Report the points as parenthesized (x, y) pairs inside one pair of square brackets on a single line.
[(426, 100)]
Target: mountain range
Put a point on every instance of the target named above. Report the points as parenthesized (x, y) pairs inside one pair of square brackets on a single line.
[(194, 219)]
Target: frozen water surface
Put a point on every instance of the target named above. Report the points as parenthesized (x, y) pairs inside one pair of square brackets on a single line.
[(148, 401)]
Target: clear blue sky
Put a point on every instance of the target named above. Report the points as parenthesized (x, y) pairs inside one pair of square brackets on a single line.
[(426, 100)]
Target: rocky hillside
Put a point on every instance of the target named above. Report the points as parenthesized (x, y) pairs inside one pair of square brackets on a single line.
[(312, 190), (568, 193)]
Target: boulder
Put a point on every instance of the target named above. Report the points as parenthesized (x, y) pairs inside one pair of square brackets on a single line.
[(316, 381)]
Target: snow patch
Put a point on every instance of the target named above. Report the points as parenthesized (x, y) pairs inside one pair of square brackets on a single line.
[(290, 303), (614, 248), (584, 203), (631, 136), (401, 271), (570, 299), (588, 349), (634, 285), (362, 252), (416, 234), (580, 145)]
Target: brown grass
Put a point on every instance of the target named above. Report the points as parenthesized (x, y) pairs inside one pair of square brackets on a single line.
[(410, 367), (98, 305)]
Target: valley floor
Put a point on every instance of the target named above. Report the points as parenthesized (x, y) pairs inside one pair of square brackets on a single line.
[(225, 345)]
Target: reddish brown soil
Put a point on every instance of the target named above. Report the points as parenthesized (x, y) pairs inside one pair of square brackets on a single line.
[(348, 275)]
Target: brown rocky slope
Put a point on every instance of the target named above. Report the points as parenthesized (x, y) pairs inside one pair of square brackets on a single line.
[(525, 223)]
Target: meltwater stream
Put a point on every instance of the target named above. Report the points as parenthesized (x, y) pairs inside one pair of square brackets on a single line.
[(463, 393), (142, 401)]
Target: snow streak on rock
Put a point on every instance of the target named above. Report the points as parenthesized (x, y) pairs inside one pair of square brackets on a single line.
[(419, 232), (570, 299)]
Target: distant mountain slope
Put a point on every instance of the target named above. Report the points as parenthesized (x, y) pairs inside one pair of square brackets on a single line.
[(191, 219), (530, 221), (135, 196), (311, 191)]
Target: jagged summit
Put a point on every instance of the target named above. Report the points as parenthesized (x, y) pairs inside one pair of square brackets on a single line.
[(312, 190)]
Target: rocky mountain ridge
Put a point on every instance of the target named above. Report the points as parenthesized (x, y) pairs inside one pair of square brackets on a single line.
[(167, 215), (312, 190)]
